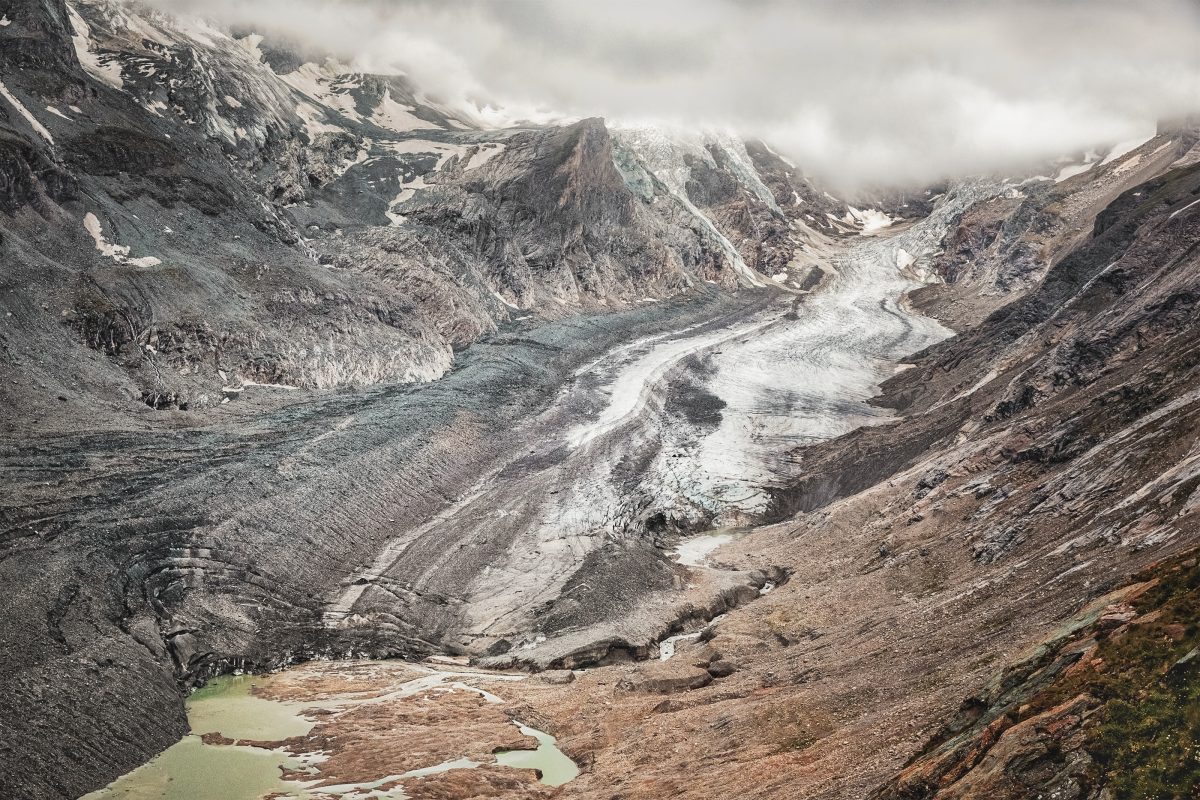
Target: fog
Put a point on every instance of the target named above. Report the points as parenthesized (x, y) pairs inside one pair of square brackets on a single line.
[(859, 93)]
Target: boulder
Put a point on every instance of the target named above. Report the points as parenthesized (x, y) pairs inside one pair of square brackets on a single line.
[(722, 668), (664, 677), (557, 677)]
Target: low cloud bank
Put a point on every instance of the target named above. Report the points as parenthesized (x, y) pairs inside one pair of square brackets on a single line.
[(893, 92)]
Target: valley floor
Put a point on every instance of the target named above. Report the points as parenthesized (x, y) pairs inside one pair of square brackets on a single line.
[(678, 539), (557, 553)]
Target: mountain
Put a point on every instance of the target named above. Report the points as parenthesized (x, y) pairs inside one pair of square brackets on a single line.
[(191, 218), (322, 228), (301, 363)]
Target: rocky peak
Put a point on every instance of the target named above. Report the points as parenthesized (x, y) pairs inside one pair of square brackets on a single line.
[(584, 181)]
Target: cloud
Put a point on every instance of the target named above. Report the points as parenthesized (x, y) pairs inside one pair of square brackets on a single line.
[(883, 92)]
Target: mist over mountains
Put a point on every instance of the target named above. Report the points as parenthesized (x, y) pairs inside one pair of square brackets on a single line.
[(867, 93)]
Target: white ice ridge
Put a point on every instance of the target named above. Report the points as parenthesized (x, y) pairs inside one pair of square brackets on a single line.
[(117, 252), (870, 219), (632, 388), (24, 112), (106, 71)]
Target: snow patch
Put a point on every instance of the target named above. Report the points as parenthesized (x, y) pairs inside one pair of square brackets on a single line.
[(327, 86), (1121, 148), (24, 112), (1090, 159), (250, 44), (405, 193), (871, 219), (397, 117), (57, 113), (413, 146), (117, 252), (1128, 165), (5, 21), (104, 70), (904, 259), (485, 154), (313, 119)]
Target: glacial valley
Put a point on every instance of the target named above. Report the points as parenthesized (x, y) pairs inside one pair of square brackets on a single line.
[(354, 446)]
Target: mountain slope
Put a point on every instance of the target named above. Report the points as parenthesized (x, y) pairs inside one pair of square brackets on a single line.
[(197, 231), (1042, 459)]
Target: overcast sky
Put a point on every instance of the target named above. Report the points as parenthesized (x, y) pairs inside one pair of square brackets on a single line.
[(893, 91)]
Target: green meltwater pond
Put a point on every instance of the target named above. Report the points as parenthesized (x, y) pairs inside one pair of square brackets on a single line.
[(556, 769), (228, 707), (195, 770)]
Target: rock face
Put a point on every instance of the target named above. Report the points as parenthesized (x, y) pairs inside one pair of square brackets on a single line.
[(1097, 711), (665, 677)]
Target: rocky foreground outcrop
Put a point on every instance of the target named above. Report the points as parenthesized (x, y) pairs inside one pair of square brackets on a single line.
[(1105, 708)]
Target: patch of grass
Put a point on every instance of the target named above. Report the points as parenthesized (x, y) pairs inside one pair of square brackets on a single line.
[(1146, 741), (1149, 746)]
